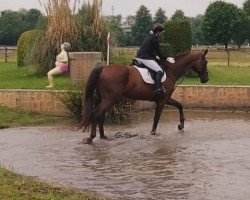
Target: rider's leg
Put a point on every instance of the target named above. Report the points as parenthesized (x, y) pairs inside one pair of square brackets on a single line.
[(158, 87), (152, 64)]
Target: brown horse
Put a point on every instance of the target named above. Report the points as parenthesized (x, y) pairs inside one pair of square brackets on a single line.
[(110, 83)]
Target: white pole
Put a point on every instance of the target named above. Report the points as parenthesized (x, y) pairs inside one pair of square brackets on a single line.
[(108, 48)]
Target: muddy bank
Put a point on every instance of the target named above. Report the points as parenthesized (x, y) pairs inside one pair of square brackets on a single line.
[(209, 160)]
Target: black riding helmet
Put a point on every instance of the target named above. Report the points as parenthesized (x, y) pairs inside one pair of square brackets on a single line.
[(158, 28)]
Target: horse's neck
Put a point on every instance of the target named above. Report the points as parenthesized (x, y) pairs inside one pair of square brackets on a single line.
[(183, 64)]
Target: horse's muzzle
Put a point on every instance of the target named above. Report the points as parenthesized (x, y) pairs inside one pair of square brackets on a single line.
[(204, 78)]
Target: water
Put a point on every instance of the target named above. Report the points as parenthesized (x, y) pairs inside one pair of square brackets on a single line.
[(209, 160)]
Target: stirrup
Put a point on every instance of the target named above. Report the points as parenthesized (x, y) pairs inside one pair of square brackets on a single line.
[(160, 90)]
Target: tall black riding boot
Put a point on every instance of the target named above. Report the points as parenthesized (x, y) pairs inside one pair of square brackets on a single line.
[(158, 87)]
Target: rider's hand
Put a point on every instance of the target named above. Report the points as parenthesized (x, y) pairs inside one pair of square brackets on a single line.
[(171, 60)]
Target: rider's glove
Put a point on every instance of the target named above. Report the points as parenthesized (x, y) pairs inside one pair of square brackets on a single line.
[(171, 60)]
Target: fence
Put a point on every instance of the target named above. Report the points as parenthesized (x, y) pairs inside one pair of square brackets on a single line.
[(8, 53)]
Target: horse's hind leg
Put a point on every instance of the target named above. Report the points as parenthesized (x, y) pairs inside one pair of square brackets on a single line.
[(93, 120), (101, 128), (100, 114), (179, 106)]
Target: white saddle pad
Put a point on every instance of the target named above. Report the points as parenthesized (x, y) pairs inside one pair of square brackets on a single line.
[(146, 75)]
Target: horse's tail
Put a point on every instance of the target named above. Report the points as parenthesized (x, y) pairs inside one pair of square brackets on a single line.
[(88, 103)]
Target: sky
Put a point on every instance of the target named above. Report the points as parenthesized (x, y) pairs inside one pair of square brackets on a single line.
[(191, 8)]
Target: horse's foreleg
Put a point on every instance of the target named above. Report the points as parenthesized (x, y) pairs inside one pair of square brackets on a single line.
[(179, 106), (158, 111)]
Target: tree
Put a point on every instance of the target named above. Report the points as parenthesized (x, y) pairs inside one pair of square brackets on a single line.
[(118, 18), (179, 14), (32, 17), (242, 29), (12, 26), (142, 26), (160, 16), (117, 33), (246, 7), (220, 23), (130, 20), (195, 26), (178, 35)]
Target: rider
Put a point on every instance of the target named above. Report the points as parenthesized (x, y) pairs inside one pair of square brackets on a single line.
[(149, 49)]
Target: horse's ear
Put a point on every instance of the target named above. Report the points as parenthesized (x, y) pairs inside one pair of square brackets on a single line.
[(205, 52)]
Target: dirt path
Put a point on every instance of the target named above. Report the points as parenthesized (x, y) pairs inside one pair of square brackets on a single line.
[(209, 160)]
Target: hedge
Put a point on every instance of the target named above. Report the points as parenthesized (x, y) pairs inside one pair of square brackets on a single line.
[(178, 34), (24, 46)]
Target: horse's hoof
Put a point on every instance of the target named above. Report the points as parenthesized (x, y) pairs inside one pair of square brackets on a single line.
[(86, 141), (180, 126), (153, 132), (105, 138), (76, 129)]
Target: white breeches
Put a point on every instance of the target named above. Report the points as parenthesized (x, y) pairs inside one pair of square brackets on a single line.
[(152, 64)]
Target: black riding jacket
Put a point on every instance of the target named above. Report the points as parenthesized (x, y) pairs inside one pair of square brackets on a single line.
[(150, 48)]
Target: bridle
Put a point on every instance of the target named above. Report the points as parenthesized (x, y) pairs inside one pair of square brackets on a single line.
[(177, 76), (204, 72)]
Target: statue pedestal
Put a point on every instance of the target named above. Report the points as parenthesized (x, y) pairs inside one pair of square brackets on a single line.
[(81, 64)]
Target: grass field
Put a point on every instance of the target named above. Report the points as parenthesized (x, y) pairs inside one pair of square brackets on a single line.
[(13, 186), (222, 75), (12, 77), (238, 73), (13, 117), (237, 58)]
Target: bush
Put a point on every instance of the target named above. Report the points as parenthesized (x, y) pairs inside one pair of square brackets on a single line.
[(166, 50), (121, 113), (72, 98), (85, 31), (91, 29), (179, 35), (121, 55), (24, 46)]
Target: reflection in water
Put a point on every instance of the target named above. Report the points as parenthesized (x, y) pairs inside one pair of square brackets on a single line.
[(210, 160)]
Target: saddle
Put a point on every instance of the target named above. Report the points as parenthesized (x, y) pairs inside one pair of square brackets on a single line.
[(147, 74)]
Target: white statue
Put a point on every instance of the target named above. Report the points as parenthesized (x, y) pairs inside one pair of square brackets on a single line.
[(61, 64)]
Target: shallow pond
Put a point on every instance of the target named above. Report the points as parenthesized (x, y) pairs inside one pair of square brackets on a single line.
[(209, 160)]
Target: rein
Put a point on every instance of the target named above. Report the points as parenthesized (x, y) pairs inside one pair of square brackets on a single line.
[(175, 74), (178, 81)]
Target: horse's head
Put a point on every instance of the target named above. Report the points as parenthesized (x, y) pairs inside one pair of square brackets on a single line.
[(200, 67)]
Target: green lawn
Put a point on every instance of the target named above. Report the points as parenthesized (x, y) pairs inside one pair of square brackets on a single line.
[(13, 117), (13, 186), (224, 76), (12, 77)]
